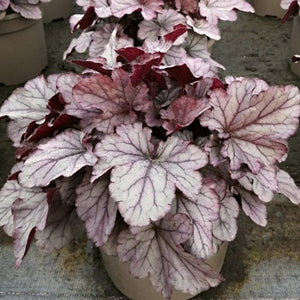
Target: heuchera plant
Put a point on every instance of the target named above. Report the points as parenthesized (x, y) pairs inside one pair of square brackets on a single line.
[(143, 23), (154, 161), (28, 9)]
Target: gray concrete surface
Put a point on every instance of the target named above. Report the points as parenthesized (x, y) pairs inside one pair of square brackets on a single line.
[(262, 263)]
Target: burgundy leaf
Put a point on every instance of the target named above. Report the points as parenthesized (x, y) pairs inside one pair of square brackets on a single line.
[(182, 74), (61, 227), (87, 20), (96, 208), (93, 65), (182, 112), (253, 126), (63, 155), (143, 180), (152, 252), (292, 7)]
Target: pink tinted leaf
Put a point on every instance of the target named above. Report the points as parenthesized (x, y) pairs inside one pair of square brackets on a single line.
[(4, 4), (28, 11), (252, 206), (142, 181), (263, 184), (28, 104), (225, 227), (96, 208), (30, 213), (254, 126), (61, 227), (148, 8), (182, 112), (9, 193), (102, 8), (203, 27), (163, 24), (223, 10), (80, 44), (66, 187), (63, 155), (187, 6), (203, 212), (152, 252), (287, 187)]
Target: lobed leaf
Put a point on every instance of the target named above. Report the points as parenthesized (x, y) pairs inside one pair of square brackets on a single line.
[(153, 252), (63, 155), (96, 208)]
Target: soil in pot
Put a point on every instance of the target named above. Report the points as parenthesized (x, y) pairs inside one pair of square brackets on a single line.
[(23, 53), (141, 289), (56, 9), (268, 8)]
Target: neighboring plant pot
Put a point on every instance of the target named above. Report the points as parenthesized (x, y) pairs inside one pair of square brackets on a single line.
[(56, 9), (23, 53), (268, 8), (137, 289), (295, 44)]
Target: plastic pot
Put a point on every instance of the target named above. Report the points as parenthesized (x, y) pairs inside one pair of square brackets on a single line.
[(295, 45), (268, 8), (23, 53), (141, 289), (56, 9)]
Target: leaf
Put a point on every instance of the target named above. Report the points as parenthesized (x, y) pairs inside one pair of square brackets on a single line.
[(287, 187), (252, 206), (26, 10), (253, 126), (63, 155), (9, 193), (28, 104), (4, 4), (187, 6), (203, 27), (80, 44), (182, 112), (161, 25), (152, 252), (116, 97), (143, 180), (225, 227), (61, 227), (96, 208), (30, 213), (202, 211), (148, 8), (213, 10)]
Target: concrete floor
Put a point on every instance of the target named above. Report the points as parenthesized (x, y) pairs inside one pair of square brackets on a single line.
[(262, 263)]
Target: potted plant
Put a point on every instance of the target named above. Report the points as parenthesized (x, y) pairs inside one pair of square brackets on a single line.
[(56, 9), (268, 8), (292, 9), (154, 161), (140, 24), (22, 41)]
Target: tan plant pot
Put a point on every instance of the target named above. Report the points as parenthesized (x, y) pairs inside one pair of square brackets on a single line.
[(141, 289), (295, 45), (268, 8), (56, 9), (23, 53)]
